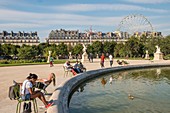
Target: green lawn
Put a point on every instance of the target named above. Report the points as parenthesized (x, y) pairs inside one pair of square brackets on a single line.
[(18, 63)]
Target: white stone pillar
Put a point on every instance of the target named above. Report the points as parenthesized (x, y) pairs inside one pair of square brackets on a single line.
[(49, 55)]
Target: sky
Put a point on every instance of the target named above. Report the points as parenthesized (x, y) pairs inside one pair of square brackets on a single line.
[(100, 15)]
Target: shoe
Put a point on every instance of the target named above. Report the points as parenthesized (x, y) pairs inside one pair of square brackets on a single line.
[(49, 104)]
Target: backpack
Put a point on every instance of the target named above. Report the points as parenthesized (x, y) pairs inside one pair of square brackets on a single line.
[(14, 92)]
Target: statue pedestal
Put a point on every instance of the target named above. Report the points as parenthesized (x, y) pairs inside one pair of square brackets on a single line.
[(84, 57), (158, 56), (70, 57), (48, 60), (147, 56)]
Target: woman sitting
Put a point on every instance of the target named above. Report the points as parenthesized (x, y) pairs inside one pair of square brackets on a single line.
[(43, 83), (27, 91)]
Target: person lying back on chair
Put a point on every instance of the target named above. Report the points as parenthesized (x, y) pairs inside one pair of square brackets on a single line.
[(46, 82)]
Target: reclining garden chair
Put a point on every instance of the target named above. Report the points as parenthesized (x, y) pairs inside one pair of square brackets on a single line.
[(66, 71)]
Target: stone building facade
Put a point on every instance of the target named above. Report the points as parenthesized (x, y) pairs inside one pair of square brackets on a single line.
[(74, 37), (19, 38)]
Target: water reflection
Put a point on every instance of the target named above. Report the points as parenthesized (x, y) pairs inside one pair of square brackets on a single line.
[(103, 81), (81, 88), (139, 91), (158, 71), (110, 80)]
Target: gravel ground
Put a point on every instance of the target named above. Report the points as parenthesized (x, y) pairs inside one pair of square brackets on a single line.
[(19, 73)]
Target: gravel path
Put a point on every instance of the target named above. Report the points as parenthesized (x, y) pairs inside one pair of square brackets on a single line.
[(19, 73)]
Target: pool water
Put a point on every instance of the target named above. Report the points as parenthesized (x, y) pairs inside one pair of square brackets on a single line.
[(137, 91)]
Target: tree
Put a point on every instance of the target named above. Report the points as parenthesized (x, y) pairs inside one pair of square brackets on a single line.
[(98, 47), (62, 48), (78, 49), (90, 49), (6, 49), (150, 45), (119, 50), (133, 47), (14, 49), (1, 51), (108, 47), (41, 48), (70, 48), (52, 49), (165, 45), (27, 52)]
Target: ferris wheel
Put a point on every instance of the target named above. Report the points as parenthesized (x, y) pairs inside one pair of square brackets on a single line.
[(135, 23)]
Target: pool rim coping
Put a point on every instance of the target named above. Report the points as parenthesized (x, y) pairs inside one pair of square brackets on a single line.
[(61, 94)]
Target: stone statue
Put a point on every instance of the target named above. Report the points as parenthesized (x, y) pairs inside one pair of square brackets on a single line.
[(70, 56), (84, 48), (84, 55), (146, 51), (158, 55), (158, 49), (147, 55)]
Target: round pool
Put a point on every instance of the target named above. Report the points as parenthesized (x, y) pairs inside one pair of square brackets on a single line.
[(135, 91)]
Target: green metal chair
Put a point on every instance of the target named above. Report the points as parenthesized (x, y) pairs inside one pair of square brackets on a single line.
[(19, 99)]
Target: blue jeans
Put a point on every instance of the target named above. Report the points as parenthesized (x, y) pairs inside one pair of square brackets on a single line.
[(26, 97)]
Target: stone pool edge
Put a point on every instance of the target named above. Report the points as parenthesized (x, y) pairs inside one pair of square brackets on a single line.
[(61, 95)]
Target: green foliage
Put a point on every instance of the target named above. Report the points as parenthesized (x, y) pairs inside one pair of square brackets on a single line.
[(1, 51), (165, 45), (167, 57), (78, 49), (119, 50), (151, 43), (70, 48), (53, 49), (4, 62), (97, 47), (5, 49), (62, 49), (134, 47), (108, 47), (27, 52), (90, 49)]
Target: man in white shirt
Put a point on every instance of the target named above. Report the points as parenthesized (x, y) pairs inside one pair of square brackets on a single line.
[(111, 60)]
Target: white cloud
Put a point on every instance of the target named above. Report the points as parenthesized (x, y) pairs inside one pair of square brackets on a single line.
[(148, 1), (109, 7), (162, 25), (18, 25), (12, 17)]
